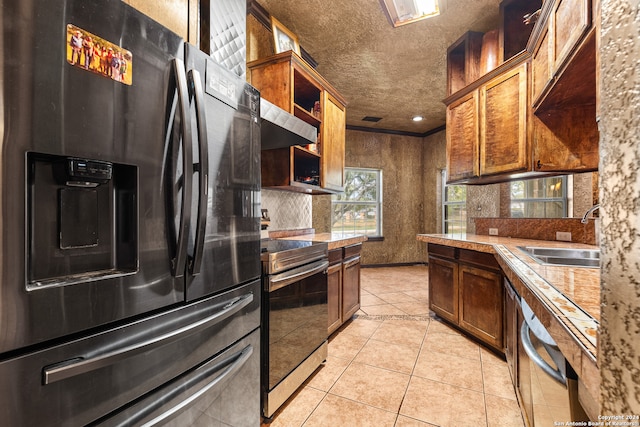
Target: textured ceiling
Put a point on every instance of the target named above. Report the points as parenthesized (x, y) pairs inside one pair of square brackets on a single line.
[(382, 71)]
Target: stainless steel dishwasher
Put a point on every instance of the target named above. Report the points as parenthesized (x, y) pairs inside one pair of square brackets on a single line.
[(554, 383)]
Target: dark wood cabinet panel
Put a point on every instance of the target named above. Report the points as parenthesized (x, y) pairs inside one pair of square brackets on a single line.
[(570, 21), (480, 304), (467, 291), (443, 288), (333, 144), (463, 138), (540, 66), (334, 297), (350, 287), (564, 89), (463, 61), (503, 123), (536, 113), (344, 285)]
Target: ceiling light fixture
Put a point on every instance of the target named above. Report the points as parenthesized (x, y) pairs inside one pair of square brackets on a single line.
[(401, 12), (417, 118)]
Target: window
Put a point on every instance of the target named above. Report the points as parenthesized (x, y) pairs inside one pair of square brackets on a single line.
[(359, 208), (454, 207), (539, 198)]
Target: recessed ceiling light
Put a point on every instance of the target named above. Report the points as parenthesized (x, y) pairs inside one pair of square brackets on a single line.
[(417, 118), (401, 12)]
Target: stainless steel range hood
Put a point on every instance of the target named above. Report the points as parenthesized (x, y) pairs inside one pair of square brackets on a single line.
[(282, 129)]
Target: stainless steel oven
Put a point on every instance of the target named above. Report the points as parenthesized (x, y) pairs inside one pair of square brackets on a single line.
[(295, 317)]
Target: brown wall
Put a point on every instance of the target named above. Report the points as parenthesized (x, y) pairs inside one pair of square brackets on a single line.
[(410, 170)]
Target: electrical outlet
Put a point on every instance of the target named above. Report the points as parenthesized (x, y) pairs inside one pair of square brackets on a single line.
[(565, 236), (493, 232)]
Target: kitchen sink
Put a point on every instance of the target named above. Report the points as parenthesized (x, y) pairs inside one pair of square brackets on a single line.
[(564, 256)]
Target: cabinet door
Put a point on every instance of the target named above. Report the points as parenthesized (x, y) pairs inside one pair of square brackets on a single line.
[(462, 138), (350, 287), (503, 123), (443, 288), (570, 20), (480, 303), (334, 297), (332, 144), (541, 66)]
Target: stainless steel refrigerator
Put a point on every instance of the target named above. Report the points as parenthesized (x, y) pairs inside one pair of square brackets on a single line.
[(129, 223)]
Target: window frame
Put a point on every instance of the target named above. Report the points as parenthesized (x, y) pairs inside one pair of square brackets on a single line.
[(378, 203), (564, 199), (446, 203)]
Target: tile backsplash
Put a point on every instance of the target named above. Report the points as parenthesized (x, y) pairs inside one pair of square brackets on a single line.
[(539, 228), (287, 210)]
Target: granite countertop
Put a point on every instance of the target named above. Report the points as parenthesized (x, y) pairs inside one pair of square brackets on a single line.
[(334, 240), (566, 299)]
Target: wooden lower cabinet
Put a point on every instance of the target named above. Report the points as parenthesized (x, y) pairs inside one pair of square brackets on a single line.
[(334, 295), (443, 288), (343, 283), (350, 287), (480, 311), (465, 289)]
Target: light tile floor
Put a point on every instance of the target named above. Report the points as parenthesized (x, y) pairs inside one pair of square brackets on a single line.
[(394, 365)]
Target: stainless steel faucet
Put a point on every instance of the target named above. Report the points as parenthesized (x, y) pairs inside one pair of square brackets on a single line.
[(593, 208)]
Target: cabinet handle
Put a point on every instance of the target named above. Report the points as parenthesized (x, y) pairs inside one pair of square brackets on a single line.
[(352, 262), (539, 164)]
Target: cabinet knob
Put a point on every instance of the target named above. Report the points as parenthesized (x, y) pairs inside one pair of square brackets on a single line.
[(539, 164)]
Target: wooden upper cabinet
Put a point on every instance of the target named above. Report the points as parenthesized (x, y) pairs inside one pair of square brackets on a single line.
[(541, 65), (463, 61), (564, 88), (570, 20), (333, 143), (287, 81), (463, 138), (487, 133), (534, 113), (559, 36), (503, 123)]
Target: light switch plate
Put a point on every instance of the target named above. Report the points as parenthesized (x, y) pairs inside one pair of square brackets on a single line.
[(564, 236), (493, 232)]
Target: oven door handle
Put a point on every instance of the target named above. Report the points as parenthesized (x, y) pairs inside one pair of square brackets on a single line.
[(533, 354), (281, 280), (83, 364)]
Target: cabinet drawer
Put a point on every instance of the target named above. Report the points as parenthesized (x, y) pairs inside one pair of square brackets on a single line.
[(335, 256), (353, 250), (479, 258), (443, 251)]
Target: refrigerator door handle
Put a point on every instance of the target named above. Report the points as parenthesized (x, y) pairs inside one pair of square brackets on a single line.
[(203, 151), (179, 261), (80, 365)]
